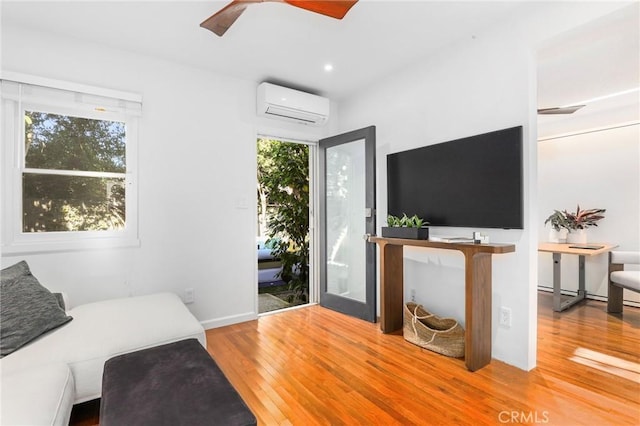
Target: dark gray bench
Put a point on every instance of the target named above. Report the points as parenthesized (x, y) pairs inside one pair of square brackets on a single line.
[(174, 384)]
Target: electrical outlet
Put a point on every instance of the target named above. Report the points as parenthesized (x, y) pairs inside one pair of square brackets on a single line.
[(188, 295), (412, 293), (505, 317)]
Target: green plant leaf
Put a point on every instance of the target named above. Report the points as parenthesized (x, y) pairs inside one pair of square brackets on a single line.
[(393, 221)]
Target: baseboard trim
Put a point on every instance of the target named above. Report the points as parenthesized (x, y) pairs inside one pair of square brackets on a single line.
[(589, 296), (232, 319)]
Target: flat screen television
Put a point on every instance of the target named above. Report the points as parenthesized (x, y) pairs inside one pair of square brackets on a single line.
[(473, 182)]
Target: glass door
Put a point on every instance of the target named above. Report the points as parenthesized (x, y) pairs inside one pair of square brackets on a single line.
[(347, 217)]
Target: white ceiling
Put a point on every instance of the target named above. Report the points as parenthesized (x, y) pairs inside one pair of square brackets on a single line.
[(593, 61), (287, 45), (271, 41)]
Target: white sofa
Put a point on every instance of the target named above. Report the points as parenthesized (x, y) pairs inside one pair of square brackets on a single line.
[(41, 381)]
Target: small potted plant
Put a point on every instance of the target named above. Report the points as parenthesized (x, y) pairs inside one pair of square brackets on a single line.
[(578, 222), (559, 227), (406, 227)]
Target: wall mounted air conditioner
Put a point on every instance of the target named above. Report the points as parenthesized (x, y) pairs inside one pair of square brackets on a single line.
[(282, 103)]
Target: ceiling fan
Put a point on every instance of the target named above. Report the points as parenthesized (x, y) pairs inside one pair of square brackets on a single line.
[(560, 110), (220, 22)]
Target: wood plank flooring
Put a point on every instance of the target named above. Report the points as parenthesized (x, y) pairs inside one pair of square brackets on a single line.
[(315, 366)]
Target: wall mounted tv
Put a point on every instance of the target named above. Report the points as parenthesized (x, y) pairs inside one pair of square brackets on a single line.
[(473, 182)]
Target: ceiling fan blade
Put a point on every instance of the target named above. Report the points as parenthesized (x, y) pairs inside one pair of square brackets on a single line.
[(560, 110), (335, 9), (220, 22)]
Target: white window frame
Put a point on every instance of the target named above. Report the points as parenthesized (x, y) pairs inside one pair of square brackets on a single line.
[(14, 240)]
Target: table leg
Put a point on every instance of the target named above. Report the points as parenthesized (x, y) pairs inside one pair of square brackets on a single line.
[(557, 295), (558, 304), (581, 277), (477, 310), (391, 287)]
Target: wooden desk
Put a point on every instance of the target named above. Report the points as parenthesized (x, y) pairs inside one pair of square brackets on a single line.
[(558, 250), (477, 260)]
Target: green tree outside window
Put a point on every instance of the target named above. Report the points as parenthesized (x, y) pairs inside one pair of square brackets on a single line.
[(64, 187)]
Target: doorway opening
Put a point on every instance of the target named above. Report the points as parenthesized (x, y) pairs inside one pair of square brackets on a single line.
[(283, 229)]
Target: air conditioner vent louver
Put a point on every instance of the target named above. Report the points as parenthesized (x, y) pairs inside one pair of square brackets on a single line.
[(298, 115), (282, 103)]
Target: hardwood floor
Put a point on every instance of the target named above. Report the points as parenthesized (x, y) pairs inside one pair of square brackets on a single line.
[(316, 366), (332, 369)]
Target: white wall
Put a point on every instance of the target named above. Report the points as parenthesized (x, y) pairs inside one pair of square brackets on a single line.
[(197, 166), (452, 96), (595, 170), (599, 164), (477, 85), (197, 161)]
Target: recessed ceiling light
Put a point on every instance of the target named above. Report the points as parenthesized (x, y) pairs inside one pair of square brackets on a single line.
[(328, 67)]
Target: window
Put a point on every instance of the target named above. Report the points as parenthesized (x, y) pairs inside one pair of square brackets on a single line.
[(69, 169), (74, 174)]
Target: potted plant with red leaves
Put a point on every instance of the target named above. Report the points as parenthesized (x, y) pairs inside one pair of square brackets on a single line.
[(579, 221)]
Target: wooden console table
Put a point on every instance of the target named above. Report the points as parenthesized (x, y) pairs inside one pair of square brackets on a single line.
[(477, 261)]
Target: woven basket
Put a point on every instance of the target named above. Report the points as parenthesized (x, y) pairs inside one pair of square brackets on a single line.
[(442, 335)]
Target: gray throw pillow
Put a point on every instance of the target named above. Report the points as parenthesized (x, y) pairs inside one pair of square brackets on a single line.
[(20, 269), (27, 309), (60, 300)]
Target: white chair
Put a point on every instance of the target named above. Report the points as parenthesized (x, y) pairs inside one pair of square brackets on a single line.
[(620, 279)]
